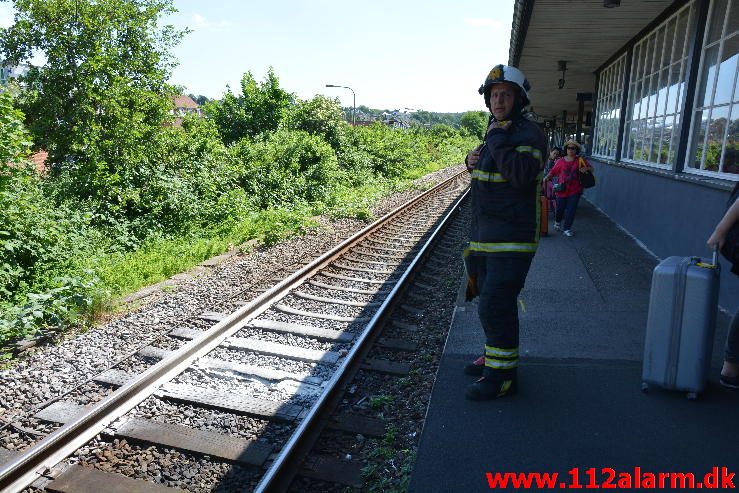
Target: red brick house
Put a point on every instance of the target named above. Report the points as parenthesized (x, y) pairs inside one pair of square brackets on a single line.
[(184, 105)]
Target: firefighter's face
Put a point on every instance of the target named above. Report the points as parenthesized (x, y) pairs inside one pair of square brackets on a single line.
[(502, 100)]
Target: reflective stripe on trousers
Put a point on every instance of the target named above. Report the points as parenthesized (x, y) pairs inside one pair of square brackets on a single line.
[(501, 280)]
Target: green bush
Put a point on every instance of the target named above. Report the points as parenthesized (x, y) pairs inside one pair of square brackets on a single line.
[(286, 167), (319, 116), (15, 141), (36, 235), (390, 151), (38, 240), (475, 123), (260, 108), (52, 311), (185, 182), (195, 182), (394, 153), (42, 245), (443, 132)]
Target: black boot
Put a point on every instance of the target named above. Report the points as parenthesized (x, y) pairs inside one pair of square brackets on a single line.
[(493, 386), (475, 368)]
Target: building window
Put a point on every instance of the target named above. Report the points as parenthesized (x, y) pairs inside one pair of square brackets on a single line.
[(608, 105), (656, 91), (715, 126)]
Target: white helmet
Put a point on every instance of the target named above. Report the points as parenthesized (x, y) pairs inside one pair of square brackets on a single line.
[(505, 73)]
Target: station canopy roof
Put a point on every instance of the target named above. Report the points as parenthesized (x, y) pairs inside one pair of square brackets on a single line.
[(583, 33)]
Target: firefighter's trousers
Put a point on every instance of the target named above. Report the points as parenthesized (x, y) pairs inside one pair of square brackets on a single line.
[(500, 282)]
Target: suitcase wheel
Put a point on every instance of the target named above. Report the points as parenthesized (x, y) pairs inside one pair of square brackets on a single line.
[(644, 387), (692, 396)]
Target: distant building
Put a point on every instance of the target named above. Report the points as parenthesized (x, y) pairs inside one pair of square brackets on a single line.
[(363, 119), (184, 105), (39, 161), (396, 119)]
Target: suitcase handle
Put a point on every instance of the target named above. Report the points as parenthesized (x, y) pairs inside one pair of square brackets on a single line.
[(714, 260)]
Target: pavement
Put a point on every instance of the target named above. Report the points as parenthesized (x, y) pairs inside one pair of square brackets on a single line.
[(580, 405)]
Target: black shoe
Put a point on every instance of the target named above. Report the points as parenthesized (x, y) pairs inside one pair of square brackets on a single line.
[(731, 382), (487, 388), (475, 368)]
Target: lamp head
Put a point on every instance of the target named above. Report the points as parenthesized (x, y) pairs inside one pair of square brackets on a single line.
[(561, 66)]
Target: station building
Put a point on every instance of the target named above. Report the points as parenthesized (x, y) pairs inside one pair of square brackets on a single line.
[(651, 88)]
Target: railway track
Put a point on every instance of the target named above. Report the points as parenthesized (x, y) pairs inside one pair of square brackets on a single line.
[(270, 368)]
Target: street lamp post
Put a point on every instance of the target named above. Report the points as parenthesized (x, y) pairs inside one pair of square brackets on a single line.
[(354, 104)]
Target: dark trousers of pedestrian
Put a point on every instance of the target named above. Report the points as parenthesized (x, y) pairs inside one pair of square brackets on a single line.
[(500, 282), (566, 208), (732, 340)]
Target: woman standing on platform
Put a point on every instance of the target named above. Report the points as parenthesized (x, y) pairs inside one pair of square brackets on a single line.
[(567, 188)]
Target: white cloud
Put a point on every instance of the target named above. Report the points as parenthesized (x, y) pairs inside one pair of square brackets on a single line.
[(200, 23), (482, 22)]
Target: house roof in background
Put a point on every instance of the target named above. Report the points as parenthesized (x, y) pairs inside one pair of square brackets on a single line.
[(185, 102)]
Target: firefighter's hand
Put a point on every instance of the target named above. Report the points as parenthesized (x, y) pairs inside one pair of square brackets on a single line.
[(499, 124), (472, 158)]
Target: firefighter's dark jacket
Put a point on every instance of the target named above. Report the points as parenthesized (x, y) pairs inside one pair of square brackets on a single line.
[(505, 191)]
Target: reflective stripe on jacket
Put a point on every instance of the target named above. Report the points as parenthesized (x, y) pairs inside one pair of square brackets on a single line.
[(505, 191)]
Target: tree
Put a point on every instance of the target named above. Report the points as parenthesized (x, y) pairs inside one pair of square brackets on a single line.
[(475, 123), (319, 116), (14, 138), (258, 109), (101, 95)]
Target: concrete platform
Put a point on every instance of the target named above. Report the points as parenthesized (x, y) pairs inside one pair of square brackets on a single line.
[(580, 403)]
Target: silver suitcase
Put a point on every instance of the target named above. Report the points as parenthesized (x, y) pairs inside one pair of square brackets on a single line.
[(680, 324)]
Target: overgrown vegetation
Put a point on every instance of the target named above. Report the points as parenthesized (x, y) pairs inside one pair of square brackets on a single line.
[(388, 452), (416, 117), (129, 199)]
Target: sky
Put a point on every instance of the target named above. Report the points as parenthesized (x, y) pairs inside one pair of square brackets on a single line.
[(425, 55)]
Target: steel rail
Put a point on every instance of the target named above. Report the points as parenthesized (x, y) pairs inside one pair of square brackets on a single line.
[(24, 469), (279, 476)]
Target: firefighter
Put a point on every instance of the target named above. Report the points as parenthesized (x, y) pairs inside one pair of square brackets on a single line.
[(504, 232)]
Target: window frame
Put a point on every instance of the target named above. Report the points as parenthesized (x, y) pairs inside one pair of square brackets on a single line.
[(610, 90), (697, 105), (641, 83)]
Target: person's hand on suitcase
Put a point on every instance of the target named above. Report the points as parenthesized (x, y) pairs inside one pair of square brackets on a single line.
[(717, 238)]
